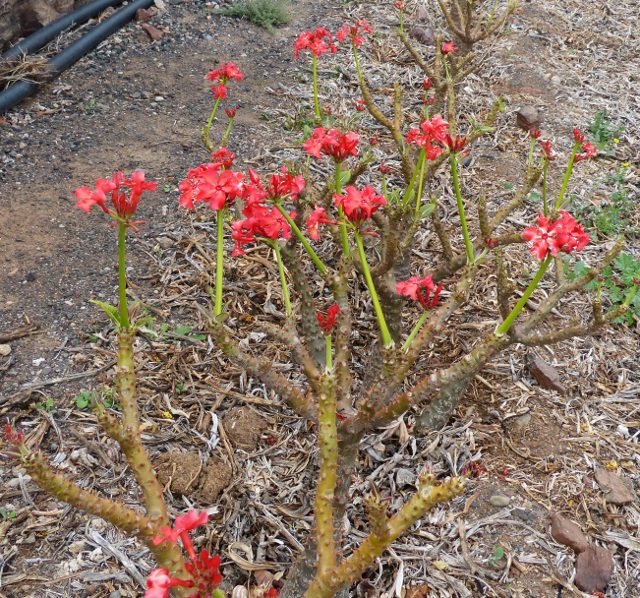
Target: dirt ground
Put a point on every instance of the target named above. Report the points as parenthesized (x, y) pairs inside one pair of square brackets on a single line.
[(134, 103)]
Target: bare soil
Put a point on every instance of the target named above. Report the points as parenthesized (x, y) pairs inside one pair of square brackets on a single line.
[(220, 440)]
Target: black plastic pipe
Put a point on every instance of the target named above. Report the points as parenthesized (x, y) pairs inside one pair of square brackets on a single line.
[(70, 55), (43, 36)]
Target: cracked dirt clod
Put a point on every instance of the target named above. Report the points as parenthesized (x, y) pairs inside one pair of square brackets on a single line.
[(568, 533), (243, 427), (214, 479), (614, 487), (594, 567), (180, 471)]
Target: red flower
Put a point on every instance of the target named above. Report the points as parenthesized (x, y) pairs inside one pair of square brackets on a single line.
[(285, 185), (422, 290), (535, 133), (399, 5), (224, 157), (261, 221), (360, 105), (231, 112), (588, 151), (211, 184), (317, 217), (13, 437), (549, 154), (183, 524), (205, 571), (355, 32), (455, 144), (434, 130), (160, 582), (124, 204), (219, 91), (384, 169), (359, 205), (578, 135), (332, 142), (225, 72), (317, 42), (448, 48), (327, 322), (427, 84), (564, 234)]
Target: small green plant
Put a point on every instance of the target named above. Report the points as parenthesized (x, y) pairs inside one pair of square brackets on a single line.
[(618, 283), (47, 405), (84, 399), (7, 515), (604, 134), (496, 556), (267, 14)]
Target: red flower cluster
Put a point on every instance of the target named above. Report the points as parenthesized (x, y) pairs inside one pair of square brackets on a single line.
[(203, 568), (124, 204), (317, 217), (359, 205), (422, 290), (212, 184), (317, 42), (587, 151), (224, 157), (355, 32), (547, 150), (430, 132), (332, 142), (564, 234), (221, 77), (455, 144), (12, 436), (327, 322), (284, 185)]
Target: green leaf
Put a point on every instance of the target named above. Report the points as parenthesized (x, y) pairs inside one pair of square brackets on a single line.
[(83, 399), (183, 329), (345, 177), (111, 310)]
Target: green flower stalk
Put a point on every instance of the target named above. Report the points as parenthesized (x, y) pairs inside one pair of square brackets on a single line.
[(344, 237), (286, 298), (305, 243), (420, 165), (231, 113), (503, 328), (414, 332), (423, 164), (545, 173), (123, 308), (567, 175), (206, 131), (453, 161), (316, 99), (220, 218), (385, 335)]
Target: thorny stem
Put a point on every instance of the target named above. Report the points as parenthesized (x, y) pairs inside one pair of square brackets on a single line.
[(510, 319), (283, 280), (207, 128), (122, 275), (298, 233), (453, 160), (327, 477), (220, 217), (385, 335)]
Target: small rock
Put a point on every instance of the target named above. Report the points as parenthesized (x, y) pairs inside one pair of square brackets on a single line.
[(546, 375), (528, 118), (144, 14), (422, 35), (614, 487), (166, 242), (499, 500), (5, 350), (158, 98), (405, 477), (153, 32), (556, 80), (568, 533), (524, 515), (422, 16), (594, 567)]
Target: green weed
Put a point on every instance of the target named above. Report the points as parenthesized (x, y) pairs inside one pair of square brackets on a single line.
[(267, 14)]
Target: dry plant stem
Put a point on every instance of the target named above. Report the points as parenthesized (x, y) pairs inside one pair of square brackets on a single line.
[(350, 570), (262, 369), (328, 452)]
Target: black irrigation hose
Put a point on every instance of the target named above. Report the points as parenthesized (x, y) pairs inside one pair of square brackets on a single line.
[(70, 55), (43, 36)]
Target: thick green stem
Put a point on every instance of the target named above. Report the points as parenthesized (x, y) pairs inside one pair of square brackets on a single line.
[(298, 233), (567, 176), (283, 280), (385, 335), (207, 128), (316, 100), (327, 477), (122, 275), (220, 216), (453, 160), (511, 318), (227, 133), (416, 329)]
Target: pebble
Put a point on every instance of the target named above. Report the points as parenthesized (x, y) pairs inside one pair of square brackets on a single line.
[(159, 99), (5, 350), (499, 500)]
